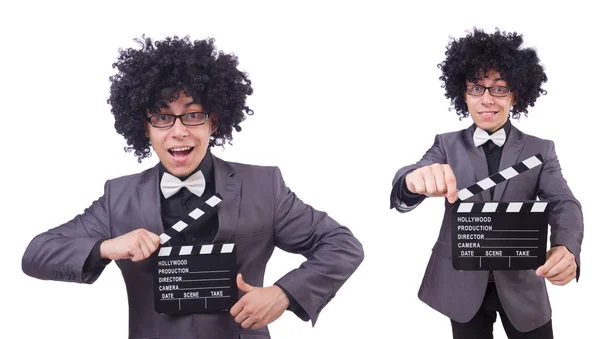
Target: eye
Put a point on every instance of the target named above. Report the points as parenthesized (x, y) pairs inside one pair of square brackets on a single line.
[(475, 89), (196, 118), (161, 120)]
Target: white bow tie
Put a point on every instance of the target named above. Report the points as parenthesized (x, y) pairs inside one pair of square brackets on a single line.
[(170, 184), (480, 137)]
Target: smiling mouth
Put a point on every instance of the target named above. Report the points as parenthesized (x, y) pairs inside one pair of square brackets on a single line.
[(487, 114), (180, 151)]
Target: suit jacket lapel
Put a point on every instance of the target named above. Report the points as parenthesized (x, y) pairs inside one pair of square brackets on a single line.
[(478, 161), (148, 197), (229, 186), (226, 184), (510, 154)]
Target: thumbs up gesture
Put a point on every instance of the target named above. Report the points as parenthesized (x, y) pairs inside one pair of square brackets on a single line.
[(259, 306)]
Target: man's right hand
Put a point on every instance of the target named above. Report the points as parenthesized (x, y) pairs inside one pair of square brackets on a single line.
[(436, 180), (136, 245)]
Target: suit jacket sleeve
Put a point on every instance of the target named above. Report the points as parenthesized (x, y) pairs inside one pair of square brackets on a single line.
[(565, 213), (399, 200), (60, 253), (331, 250)]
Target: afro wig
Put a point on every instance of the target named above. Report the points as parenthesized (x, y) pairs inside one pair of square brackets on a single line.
[(479, 52), (155, 73)]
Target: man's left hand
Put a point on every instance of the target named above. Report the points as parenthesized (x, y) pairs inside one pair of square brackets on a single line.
[(560, 267), (260, 306)]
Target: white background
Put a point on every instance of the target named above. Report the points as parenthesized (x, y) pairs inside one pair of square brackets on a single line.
[(345, 94)]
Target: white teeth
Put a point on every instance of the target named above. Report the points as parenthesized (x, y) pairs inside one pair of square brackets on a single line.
[(180, 149)]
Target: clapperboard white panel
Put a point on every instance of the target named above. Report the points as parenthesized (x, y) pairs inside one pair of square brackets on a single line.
[(195, 279), (499, 235)]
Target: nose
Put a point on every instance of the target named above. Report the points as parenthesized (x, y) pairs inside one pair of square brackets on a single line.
[(179, 130), (487, 98)]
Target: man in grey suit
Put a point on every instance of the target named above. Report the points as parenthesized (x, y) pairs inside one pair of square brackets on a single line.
[(182, 97), (486, 76)]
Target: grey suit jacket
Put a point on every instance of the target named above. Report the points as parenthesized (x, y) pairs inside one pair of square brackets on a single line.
[(258, 212), (459, 294)]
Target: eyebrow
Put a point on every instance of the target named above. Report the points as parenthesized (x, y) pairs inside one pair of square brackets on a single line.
[(494, 80), (163, 105)]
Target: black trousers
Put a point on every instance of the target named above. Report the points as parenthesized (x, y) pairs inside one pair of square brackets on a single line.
[(481, 326)]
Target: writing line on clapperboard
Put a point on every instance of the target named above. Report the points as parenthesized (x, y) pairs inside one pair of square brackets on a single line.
[(202, 288), (486, 184), (511, 238), (221, 271)]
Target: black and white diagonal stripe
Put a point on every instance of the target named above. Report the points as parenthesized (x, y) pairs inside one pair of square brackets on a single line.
[(207, 208), (196, 249), (501, 176), (502, 207)]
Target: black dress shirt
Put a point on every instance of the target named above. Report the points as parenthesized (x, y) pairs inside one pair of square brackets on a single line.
[(183, 202)]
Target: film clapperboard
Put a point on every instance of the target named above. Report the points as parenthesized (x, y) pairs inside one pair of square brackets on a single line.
[(499, 235), (195, 278)]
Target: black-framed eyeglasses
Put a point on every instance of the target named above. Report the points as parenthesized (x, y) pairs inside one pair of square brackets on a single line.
[(167, 120), (495, 91)]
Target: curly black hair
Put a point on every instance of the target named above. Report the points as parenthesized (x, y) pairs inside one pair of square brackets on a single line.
[(478, 52), (154, 74)]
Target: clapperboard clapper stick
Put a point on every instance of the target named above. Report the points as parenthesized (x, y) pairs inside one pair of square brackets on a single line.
[(499, 235), (194, 278)]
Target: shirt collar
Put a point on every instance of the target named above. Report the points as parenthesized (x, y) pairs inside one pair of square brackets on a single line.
[(206, 166), (507, 125)]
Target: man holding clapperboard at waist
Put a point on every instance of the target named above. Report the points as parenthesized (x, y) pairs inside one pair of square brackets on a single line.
[(193, 234), (490, 255)]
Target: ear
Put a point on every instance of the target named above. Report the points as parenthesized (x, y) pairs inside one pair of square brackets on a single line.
[(214, 125), (514, 99), (146, 124)]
